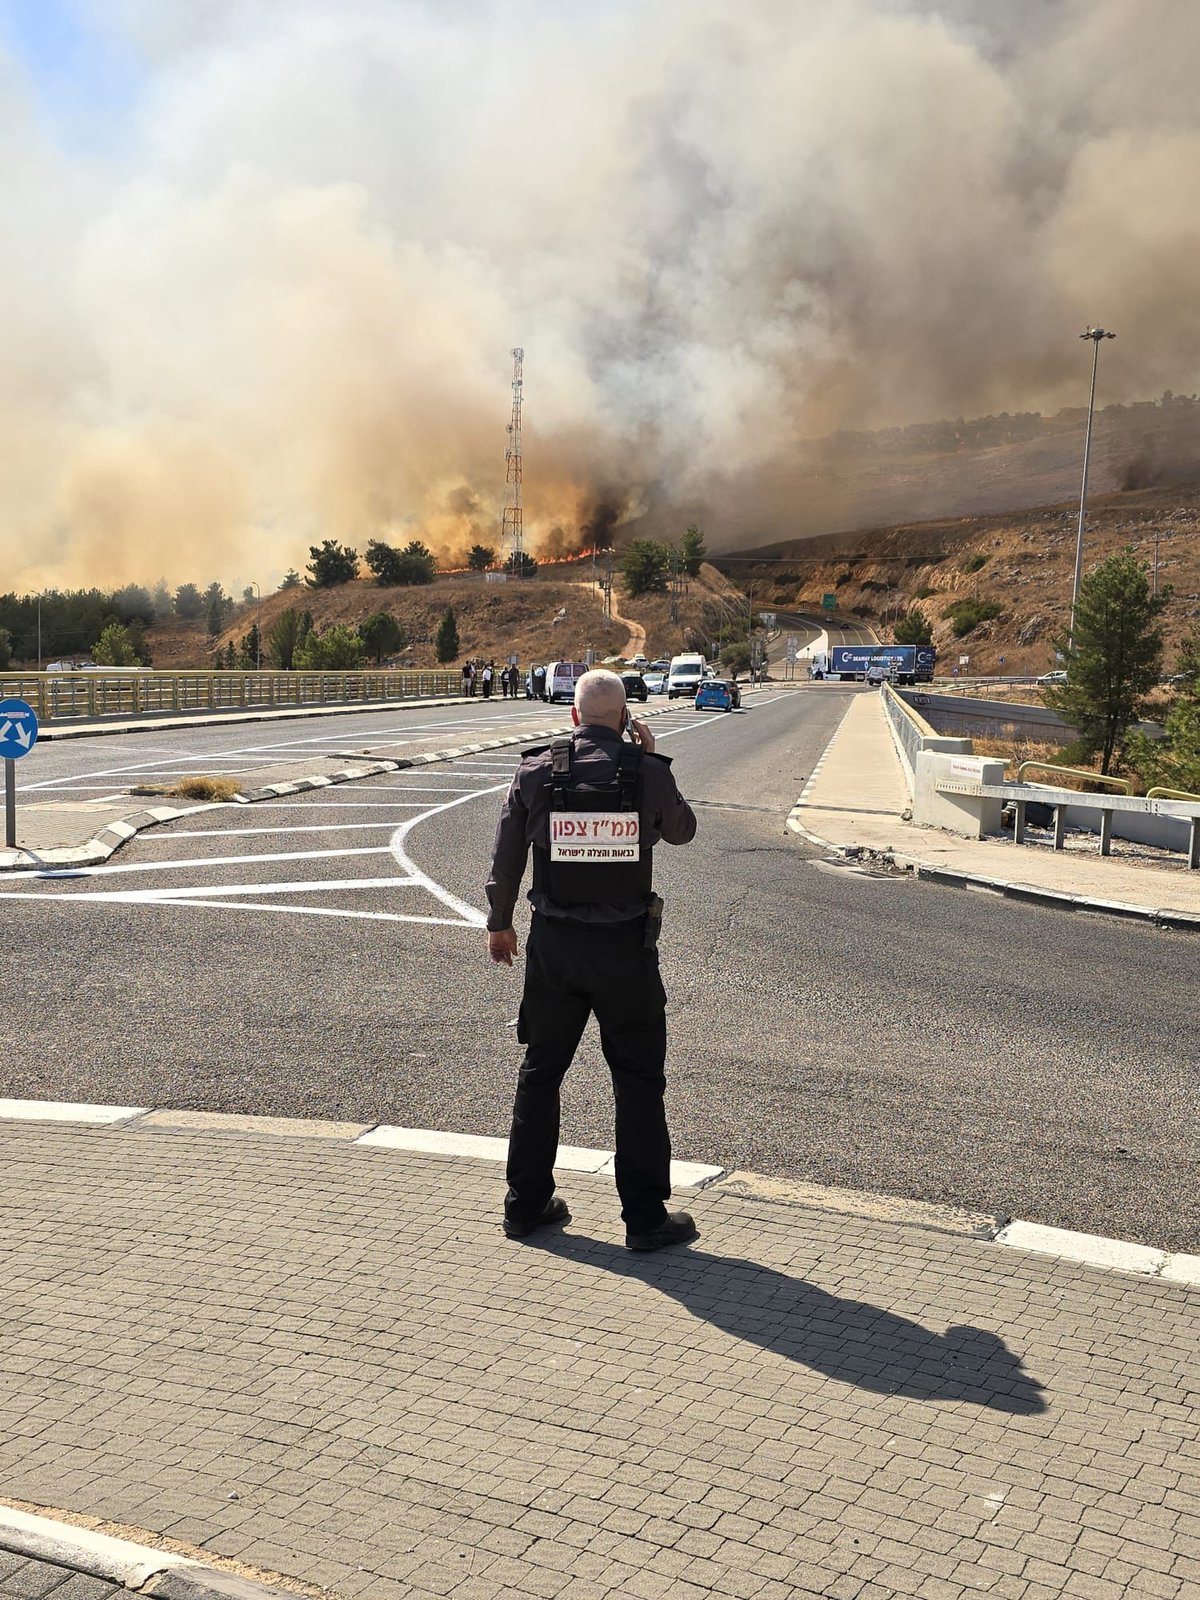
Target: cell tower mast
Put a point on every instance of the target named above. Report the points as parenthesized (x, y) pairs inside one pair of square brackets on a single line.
[(512, 530)]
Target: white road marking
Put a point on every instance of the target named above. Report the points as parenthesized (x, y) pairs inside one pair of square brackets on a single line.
[(310, 911), (474, 918), (198, 891), (331, 805), (46, 874), (245, 833)]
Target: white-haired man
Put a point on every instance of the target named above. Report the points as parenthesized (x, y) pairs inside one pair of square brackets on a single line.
[(591, 807)]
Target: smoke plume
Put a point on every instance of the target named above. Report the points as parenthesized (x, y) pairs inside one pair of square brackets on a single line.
[(265, 290)]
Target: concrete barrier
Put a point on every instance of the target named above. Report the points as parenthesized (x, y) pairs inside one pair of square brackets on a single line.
[(912, 734), (947, 793)]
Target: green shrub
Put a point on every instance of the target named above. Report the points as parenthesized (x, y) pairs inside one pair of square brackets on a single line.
[(966, 615), (973, 563)]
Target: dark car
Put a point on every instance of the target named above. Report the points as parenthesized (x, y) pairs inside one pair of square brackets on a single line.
[(635, 686)]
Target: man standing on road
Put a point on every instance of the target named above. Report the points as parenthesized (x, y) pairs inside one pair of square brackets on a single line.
[(592, 949)]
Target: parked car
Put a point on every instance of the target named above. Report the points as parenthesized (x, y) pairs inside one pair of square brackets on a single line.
[(1049, 679), (663, 666), (714, 694), (656, 682), (639, 661), (635, 686)]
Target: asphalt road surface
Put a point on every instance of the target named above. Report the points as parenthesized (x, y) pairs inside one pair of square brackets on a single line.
[(323, 955)]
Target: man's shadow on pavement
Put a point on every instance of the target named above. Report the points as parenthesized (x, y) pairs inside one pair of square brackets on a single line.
[(850, 1340)]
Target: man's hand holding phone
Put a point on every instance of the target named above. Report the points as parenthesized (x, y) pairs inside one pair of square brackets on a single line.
[(639, 733)]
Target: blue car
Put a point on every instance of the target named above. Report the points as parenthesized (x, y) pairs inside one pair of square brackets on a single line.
[(714, 694)]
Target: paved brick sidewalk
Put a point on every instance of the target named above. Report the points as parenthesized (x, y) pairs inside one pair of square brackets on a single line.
[(327, 1361)]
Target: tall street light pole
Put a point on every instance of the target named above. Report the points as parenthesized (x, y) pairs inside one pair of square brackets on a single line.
[(1095, 335)]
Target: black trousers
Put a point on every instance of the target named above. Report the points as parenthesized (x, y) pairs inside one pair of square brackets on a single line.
[(572, 970)]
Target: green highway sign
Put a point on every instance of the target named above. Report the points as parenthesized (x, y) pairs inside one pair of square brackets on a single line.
[(829, 601)]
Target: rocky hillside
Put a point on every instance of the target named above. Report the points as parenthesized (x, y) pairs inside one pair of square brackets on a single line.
[(556, 614), (1020, 563)]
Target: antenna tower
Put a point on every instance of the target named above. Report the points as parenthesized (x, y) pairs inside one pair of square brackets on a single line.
[(512, 531)]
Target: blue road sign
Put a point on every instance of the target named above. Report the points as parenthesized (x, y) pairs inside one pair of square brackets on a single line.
[(18, 729)]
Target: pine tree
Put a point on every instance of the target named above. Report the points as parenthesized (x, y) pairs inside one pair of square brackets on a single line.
[(331, 564), (283, 638), (1114, 661), (447, 637), (382, 635), (691, 550)]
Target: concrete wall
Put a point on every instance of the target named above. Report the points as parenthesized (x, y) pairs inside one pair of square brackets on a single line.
[(997, 719)]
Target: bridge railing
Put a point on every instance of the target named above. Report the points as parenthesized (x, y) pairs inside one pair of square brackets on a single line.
[(57, 696), (912, 734)]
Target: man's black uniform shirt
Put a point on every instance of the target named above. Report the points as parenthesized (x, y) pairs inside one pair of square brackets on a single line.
[(524, 821)]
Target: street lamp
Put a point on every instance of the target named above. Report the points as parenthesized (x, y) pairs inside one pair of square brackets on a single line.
[(1095, 335)]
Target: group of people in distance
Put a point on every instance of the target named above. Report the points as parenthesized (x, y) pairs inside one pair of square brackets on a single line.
[(483, 674)]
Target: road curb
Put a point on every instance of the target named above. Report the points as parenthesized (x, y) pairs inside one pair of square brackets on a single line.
[(1178, 1267), (1027, 893), (137, 1567)]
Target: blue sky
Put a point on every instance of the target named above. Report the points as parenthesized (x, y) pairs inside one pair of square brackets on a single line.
[(85, 81)]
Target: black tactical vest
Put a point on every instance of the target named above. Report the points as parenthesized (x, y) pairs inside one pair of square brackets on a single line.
[(592, 853)]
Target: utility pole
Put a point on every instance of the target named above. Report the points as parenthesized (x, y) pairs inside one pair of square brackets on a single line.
[(1157, 532), (1095, 335), (512, 529)]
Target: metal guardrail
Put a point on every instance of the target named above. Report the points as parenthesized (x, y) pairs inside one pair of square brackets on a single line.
[(1171, 794), (1122, 784), (56, 696)]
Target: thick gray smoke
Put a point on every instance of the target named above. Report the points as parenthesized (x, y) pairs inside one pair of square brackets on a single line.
[(275, 300)]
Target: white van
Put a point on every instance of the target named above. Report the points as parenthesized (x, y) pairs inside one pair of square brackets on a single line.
[(561, 677), (685, 675)]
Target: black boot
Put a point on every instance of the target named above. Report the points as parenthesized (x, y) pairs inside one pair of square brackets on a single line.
[(678, 1228)]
